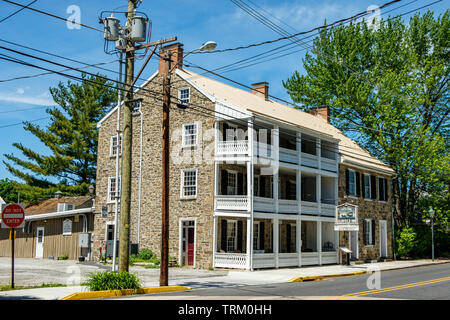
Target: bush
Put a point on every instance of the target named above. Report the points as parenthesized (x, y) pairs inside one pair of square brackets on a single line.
[(146, 254), (112, 281), (406, 242), (63, 257)]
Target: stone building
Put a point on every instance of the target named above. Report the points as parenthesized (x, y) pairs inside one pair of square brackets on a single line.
[(253, 183)]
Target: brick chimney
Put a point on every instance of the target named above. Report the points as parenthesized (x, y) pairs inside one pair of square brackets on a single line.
[(323, 112), (261, 89), (176, 51)]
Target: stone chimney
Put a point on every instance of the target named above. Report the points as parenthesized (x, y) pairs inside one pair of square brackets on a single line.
[(261, 89), (176, 51), (323, 112)]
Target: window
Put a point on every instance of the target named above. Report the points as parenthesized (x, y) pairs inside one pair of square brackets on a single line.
[(351, 183), (115, 146), (256, 186), (231, 236), (367, 188), (189, 136), (112, 194), (183, 96), (232, 184), (382, 189), (369, 232), (189, 184), (256, 236), (65, 207)]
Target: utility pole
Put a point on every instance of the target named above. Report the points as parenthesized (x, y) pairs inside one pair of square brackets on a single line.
[(164, 265), (125, 201)]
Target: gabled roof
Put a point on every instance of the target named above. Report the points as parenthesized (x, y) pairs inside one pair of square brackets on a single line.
[(51, 205)]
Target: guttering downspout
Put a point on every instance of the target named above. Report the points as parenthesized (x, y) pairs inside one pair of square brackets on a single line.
[(140, 178)]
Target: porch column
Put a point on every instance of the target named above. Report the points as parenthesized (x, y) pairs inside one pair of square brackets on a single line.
[(319, 241), (319, 193), (214, 248), (299, 241), (319, 153), (275, 239), (299, 172), (250, 188), (276, 154), (249, 242), (216, 181)]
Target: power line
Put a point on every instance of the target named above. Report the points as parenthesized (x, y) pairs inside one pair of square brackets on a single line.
[(244, 122), (297, 34), (17, 11), (19, 123), (19, 110), (53, 15)]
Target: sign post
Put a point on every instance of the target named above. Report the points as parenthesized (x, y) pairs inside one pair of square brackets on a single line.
[(13, 216), (346, 220)]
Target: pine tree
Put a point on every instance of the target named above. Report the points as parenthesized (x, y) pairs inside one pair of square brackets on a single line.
[(71, 137)]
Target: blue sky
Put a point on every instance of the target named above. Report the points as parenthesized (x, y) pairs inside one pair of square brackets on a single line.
[(192, 21)]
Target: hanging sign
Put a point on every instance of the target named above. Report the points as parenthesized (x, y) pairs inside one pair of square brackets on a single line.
[(346, 218)]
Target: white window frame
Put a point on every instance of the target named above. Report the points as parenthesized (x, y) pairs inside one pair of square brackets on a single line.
[(183, 135), (182, 101), (234, 192), (232, 226), (369, 197), (350, 194), (182, 186), (110, 184), (111, 145), (368, 229)]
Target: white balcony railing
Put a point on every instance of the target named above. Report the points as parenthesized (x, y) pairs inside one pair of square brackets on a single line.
[(288, 155), (310, 258), (263, 260), (287, 206), (309, 160), (262, 150), (328, 210), (329, 257), (232, 147), (263, 204), (310, 207), (328, 164), (288, 259), (230, 260), (231, 203)]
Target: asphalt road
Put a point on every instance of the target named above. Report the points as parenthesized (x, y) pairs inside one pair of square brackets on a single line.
[(425, 283)]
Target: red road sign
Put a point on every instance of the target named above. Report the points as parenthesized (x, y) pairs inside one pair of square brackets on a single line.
[(13, 216)]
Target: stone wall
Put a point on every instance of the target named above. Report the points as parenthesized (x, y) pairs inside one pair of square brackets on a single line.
[(367, 209), (200, 208)]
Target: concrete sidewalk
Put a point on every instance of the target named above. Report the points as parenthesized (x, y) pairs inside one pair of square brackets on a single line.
[(206, 279)]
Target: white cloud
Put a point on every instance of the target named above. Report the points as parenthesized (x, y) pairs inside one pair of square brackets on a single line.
[(34, 100), (20, 91)]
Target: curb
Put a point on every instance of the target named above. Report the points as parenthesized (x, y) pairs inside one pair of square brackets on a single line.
[(314, 278), (119, 293)]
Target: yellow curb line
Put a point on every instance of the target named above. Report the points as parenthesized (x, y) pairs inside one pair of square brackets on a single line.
[(312, 278), (119, 293)]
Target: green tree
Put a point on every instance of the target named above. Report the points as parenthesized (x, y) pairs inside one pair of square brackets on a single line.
[(71, 137), (387, 87), (8, 191)]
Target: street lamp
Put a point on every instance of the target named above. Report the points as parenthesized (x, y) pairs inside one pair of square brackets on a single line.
[(431, 211), (207, 46), (91, 189)]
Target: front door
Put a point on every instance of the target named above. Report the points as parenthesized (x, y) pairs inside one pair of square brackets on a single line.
[(188, 243), (354, 244), (40, 242), (383, 239)]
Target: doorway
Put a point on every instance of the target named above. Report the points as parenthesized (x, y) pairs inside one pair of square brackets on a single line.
[(39, 242), (188, 243), (354, 244), (383, 239)]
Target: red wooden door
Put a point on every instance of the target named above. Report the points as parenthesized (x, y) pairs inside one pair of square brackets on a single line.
[(190, 247)]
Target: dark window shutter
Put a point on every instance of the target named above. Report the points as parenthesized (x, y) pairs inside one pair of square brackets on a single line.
[(239, 236), (261, 236), (363, 187), (224, 182), (380, 189), (358, 184), (240, 182), (288, 189), (373, 231), (347, 179), (224, 131), (223, 240), (373, 187), (288, 237), (262, 186), (365, 232), (385, 189)]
